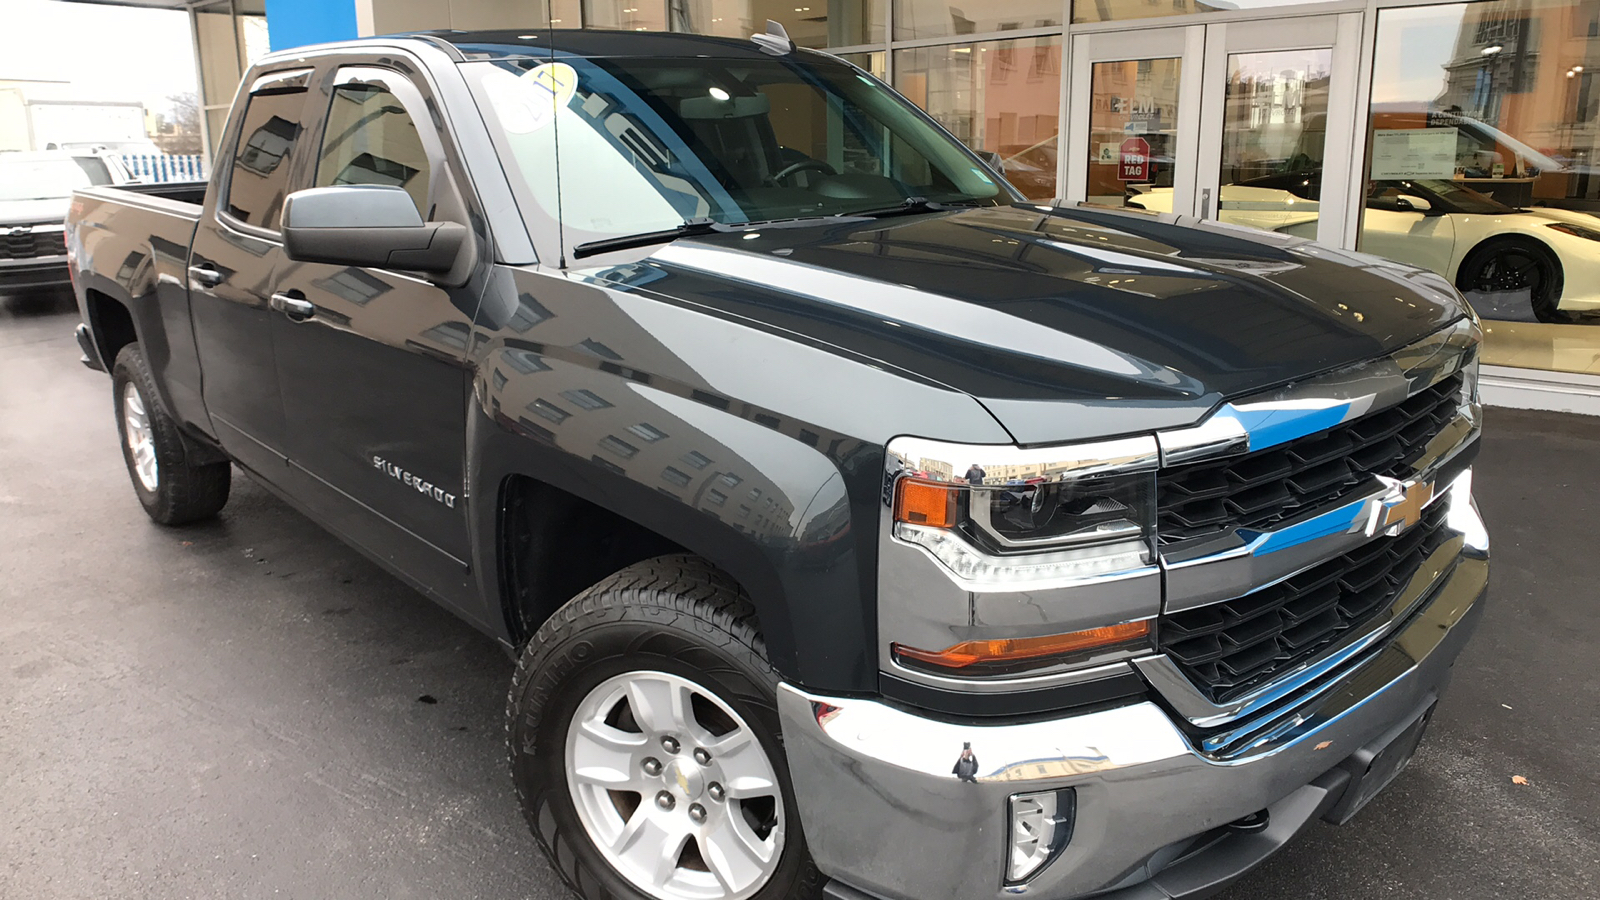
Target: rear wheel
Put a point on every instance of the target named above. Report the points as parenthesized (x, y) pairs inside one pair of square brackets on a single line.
[(645, 745), (172, 487), (1515, 265)]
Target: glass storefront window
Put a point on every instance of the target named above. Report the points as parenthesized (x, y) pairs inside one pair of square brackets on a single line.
[(625, 15), (939, 18), (872, 62), (1084, 11), (998, 97), (1481, 165), (1133, 131), (810, 23), (1275, 120)]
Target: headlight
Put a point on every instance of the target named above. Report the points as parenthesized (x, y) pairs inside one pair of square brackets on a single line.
[(1051, 550), (1019, 517)]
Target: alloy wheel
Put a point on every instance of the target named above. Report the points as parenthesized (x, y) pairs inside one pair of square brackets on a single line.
[(674, 788), (141, 439)]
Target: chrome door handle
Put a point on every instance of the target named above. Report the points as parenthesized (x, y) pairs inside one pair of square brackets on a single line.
[(297, 308), (1205, 203), (205, 275)]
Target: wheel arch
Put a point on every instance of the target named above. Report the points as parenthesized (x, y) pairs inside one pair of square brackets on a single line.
[(807, 579)]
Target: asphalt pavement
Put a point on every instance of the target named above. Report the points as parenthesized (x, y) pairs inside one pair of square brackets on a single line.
[(247, 708)]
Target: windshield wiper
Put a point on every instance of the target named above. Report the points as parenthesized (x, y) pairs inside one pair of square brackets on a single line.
[(910, 206), (691, 228)]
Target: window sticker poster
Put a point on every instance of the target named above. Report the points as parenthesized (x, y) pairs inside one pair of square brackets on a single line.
[(1413, 153)]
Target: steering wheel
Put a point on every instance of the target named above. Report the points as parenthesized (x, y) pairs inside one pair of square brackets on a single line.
[(801, 166)]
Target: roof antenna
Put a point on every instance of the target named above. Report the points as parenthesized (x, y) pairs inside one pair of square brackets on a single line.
[(775, 41)]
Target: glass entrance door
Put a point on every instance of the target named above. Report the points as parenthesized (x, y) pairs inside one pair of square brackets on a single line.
[(1133, 114), (1235, 121), (1277, 111)]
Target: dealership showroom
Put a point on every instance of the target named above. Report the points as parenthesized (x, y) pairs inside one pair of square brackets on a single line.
[(231, 701)]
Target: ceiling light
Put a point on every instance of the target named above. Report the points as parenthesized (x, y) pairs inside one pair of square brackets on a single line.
[(719, 93)]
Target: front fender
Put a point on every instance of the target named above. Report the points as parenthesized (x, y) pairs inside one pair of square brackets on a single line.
[(743, 444)]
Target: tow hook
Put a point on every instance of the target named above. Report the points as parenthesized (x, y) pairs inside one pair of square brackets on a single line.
[(1255, 822)]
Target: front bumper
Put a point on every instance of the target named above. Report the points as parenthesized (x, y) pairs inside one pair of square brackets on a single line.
[(884, 815), (48, 271)]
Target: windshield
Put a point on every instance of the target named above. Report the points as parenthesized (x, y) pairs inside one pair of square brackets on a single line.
[(649, 144), (39, 179)]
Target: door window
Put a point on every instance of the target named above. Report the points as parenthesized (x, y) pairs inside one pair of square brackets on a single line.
[(260, 177), (372, 139)]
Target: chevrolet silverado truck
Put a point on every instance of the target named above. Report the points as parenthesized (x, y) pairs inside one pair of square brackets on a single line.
[(860, 529)]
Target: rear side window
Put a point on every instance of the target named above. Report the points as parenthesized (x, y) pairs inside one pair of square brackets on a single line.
[(371, 139), (260, 175)]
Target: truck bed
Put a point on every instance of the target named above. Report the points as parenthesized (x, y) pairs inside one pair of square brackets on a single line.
[(183, 197)]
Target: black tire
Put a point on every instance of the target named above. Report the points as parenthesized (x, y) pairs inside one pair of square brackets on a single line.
[(186, 490), (1513, 264), (674, 614)]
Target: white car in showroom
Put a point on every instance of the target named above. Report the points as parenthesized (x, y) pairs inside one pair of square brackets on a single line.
[(1551, 257)]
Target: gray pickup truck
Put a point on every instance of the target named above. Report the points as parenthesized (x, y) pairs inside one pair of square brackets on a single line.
[(861, 529)]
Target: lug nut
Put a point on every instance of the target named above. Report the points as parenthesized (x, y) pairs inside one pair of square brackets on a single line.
[(697, 813), (702, 756), (716, 792), (665, 801), (669, 744), (652, 767)]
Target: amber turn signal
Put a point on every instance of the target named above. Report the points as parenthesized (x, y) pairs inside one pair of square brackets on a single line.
[(925, 503), (970, 653)]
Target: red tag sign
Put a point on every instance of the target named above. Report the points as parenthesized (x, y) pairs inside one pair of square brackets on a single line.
[(1135, 163)]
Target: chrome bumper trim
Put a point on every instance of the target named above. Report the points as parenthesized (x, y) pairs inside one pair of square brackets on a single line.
[(887, 814)]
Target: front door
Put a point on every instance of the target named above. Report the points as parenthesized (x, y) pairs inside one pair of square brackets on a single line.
[(374, 385), (1233, 121), (236, 250)]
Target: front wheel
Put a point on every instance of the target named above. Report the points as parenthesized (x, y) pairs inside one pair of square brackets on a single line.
[(1513, 265), (645, 745)]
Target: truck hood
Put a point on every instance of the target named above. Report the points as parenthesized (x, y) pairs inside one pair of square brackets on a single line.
[(1065, 324), (50, 211)]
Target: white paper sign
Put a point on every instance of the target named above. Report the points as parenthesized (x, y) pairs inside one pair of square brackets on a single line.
[(1413, 153), (1110, 154)]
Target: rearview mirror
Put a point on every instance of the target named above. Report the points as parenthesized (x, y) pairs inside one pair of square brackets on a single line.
[(367, 225)]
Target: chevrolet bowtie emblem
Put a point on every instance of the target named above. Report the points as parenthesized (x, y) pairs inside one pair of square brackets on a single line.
[(1403, 506)]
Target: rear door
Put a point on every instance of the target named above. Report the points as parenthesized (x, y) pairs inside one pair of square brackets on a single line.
[(374, 384), (236, 248)]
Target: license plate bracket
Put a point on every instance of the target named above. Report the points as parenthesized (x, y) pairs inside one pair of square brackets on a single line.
[(1375, 766)]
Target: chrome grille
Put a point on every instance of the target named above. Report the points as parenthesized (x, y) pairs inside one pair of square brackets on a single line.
[(1261, 489), (1227, 649), (31, 244)]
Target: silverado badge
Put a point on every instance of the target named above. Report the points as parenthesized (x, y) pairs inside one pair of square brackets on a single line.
[(425, 488)]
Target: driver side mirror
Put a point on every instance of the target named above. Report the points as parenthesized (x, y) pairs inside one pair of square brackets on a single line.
[(1412, 203), (373, 225)]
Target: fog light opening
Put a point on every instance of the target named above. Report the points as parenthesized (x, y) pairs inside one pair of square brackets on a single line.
[(1040, 826)]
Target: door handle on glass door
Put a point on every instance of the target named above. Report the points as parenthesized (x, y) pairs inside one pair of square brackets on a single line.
[(297, 308)]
